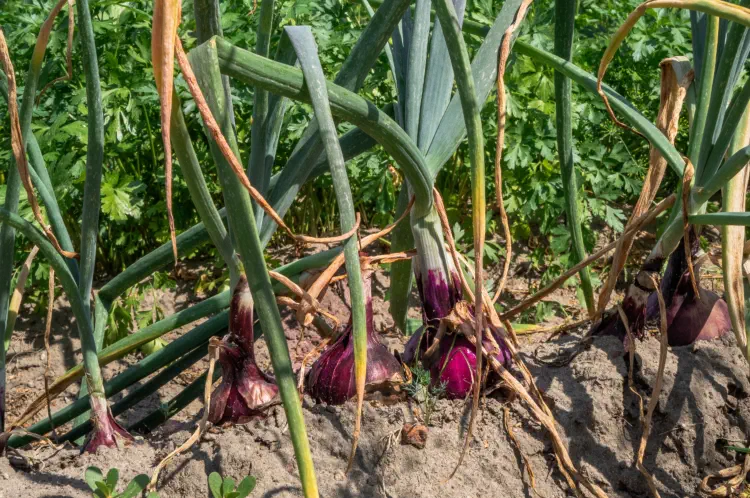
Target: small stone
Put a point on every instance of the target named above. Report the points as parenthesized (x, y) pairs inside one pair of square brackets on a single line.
[(731, 403), (414, 435)]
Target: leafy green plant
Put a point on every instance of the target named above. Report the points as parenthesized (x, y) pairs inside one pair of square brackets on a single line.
[(225, 488), (106, 486)]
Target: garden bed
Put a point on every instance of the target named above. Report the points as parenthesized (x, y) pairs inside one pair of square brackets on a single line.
[(699, 409)]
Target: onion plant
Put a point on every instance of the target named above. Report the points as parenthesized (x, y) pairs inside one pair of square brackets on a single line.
[(462, 327), (714, 158)]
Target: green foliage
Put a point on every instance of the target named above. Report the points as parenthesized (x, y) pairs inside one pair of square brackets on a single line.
[(225, 488), (106, 487), (126, 315), (610, 163)]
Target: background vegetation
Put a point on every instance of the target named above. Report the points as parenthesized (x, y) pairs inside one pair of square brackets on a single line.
[(609, 162)]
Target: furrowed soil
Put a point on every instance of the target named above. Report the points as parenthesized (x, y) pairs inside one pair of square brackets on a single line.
[(704, 404)]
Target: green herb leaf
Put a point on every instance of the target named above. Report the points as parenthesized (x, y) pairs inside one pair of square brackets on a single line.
[(92, 475), (214, 484)]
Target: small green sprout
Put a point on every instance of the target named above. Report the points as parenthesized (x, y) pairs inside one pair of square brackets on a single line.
[(224, 488), (106, 487), (423, 393)]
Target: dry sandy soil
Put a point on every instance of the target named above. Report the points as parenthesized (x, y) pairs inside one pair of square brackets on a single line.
[(703, 404)]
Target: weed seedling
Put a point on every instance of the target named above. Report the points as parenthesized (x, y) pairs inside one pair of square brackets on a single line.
[(224, 487), (106, 487)]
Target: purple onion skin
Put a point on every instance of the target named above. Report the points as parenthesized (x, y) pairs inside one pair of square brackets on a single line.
[(245, 390), (698, 319), (241, 316), (688, 319), (611, 324), (417, 344), (439, 295), (331, 378), (457, 366), (107, 432)]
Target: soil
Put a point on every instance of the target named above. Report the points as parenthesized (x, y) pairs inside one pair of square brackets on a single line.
[(699, 411)]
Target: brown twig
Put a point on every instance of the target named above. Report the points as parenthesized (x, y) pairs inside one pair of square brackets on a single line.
[(324, 279), (68, 54), (676, 77), (47, 332), (542, 413), (213, 354), (164, 39), (502, 62), (226, 151), (551, 287), (733, 477), (301, 293)]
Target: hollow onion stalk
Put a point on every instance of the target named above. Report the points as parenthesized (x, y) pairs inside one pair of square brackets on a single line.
[(107, 431), (205, 62), (307, 54), (94, 159), (259, 168), (195, 338), (565, 13), (465, 81), (12, 192)]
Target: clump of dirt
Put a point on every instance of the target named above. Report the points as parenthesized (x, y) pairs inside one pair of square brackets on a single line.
[(704, 403)]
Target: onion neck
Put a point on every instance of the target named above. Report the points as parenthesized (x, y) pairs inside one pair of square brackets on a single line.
[(106, 432), (437, 280)]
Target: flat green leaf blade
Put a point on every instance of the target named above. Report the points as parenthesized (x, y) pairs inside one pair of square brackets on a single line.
[(227, 486), (92, 475), (353, 73), (135, 487), (246, 486), (112, 477), (402, 276), (277, 107), (565, 13), (205, 63), (288, 81), (438, 82), (214, 484), (259, 168), (416, 66)]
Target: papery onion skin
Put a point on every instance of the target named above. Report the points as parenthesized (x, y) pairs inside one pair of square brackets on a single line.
[(688, 319), (245, 390), (331, 378), (699, 319)]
